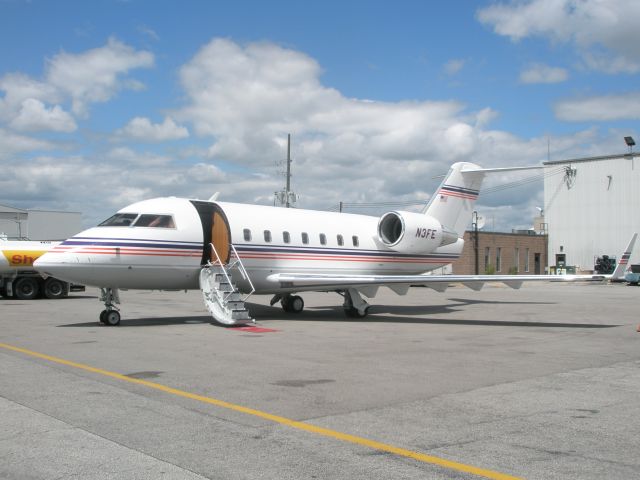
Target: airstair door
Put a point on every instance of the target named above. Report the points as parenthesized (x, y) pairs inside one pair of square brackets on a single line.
[(220, 237)]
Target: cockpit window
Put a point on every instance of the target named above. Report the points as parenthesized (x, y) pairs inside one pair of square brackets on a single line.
[(157, 221), (119, 220)]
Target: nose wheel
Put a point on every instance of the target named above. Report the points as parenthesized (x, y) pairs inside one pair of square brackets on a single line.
[(110, 315)]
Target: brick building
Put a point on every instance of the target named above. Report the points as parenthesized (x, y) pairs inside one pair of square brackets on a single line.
[(503, 253)]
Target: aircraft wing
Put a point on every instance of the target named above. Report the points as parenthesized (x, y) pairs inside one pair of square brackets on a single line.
[(401, 283)]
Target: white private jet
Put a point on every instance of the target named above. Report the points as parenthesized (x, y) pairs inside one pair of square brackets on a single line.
[(231, 250)]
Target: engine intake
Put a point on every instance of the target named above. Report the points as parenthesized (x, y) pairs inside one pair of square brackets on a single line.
[(414, 233)]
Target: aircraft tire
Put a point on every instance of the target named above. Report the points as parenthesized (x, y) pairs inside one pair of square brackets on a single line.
[(54, 288), (112, 318), (296, 304), (26, 288), (353, 312), (103, 314)]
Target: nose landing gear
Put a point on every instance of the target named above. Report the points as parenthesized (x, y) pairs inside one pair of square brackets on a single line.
[(110, 316)]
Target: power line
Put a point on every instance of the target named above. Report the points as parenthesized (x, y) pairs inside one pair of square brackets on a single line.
[(488, 191)]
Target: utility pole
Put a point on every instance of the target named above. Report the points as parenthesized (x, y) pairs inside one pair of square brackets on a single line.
[(286, 197), (475, 241), (288, 189)]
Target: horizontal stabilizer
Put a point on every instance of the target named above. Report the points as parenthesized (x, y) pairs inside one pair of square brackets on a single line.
[(501, 169)]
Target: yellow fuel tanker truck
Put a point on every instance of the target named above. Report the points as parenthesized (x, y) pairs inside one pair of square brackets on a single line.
[(18, 278)]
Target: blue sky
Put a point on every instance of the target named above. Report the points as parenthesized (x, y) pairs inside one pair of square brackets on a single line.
[(107, 102)]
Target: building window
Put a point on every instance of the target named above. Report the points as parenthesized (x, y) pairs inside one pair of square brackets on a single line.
[(340, 240), (267, 236), (498, 259), (355, 241), (305, 238), (323, 239), (487, 258), (526, 260), (516, 259), (286, 238), (246, 233)]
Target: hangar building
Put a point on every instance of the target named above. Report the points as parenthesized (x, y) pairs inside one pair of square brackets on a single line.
[(591, 208), (18, 224)]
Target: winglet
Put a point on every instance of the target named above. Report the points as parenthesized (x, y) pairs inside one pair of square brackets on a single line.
[(621, 267)]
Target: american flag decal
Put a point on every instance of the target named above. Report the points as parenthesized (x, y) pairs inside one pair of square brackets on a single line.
[(459, 192)]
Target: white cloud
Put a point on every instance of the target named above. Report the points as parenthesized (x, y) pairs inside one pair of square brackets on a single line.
[(539, 73), (94, 75), (12, 143), (605, 32), (17, 88), (80, 79), (141, 128), (241, 101), (149, 32), (602, 108), (454, 66), (35, 116), (246, 97)]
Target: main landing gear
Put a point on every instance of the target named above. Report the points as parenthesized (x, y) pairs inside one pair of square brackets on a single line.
[(290, 303), (110, 315), (354, 305)]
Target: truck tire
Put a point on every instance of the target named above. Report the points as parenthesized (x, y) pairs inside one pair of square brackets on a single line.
[(26, 288), (54, 288)]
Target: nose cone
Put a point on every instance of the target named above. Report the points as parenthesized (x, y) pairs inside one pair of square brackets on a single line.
[(60, 265)]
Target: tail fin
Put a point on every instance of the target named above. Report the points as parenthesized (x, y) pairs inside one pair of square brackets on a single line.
[(452, 204), (621, 267)]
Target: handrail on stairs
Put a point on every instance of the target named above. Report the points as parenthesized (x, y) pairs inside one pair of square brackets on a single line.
[(241, 268)]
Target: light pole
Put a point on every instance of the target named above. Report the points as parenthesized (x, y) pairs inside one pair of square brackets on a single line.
[(475, 240)]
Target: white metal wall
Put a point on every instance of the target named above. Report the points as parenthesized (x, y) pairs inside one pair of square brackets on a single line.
[(596, 213), (43, 225)]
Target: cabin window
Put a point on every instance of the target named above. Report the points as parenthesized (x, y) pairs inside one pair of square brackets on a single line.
[(286, 238), (323, 239), (246, 233), (155, 221), (355, 241), (119, 220), (267, 236), (340, 240), (305, 238)]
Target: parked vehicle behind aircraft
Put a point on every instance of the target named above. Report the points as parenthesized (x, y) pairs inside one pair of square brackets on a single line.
[(19, 279)]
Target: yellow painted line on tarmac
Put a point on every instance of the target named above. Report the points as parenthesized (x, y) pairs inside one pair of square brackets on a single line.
[(345, 437)]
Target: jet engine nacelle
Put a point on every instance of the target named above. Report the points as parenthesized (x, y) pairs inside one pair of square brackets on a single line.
[(414, 233)]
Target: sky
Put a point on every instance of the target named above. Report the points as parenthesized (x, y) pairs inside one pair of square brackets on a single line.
[(107, 102)]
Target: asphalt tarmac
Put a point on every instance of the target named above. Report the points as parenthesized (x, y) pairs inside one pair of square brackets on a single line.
[(538, 383)]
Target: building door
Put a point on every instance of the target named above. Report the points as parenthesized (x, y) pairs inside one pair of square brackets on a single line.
[(536, 263)]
